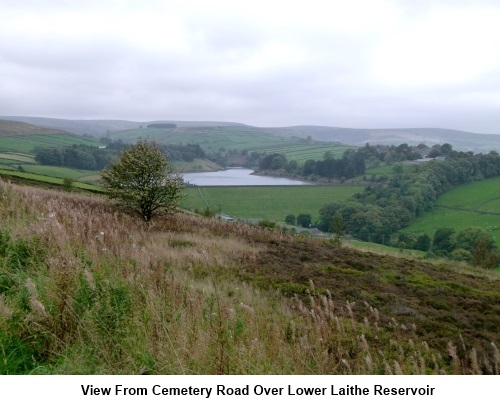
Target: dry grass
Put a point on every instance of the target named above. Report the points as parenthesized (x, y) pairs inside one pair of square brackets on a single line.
[(86, 289)]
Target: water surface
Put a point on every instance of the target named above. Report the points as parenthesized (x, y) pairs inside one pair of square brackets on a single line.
[(238, 177)]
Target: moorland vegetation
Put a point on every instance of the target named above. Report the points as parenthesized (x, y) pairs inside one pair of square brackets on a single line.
[(87, 289)]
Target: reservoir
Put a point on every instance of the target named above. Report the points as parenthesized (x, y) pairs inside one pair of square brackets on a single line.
[(238, 177)]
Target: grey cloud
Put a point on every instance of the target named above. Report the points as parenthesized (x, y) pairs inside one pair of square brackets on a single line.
[(249, 66)]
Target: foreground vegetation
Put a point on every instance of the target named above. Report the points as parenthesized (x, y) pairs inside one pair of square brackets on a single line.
[(85, 289)]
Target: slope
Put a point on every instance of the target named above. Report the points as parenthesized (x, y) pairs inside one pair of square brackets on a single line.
[(85, 289), (17, 128), (461, 140)]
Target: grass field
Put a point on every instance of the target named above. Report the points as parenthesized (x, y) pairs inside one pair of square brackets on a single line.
[(476, 204), (46, 179), (267, 202), (61, 172), (214, 139), (26, 143), (16, 157), (16, 150), (302, 152)]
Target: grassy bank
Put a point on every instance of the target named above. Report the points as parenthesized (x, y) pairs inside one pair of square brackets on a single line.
[(43, 179)]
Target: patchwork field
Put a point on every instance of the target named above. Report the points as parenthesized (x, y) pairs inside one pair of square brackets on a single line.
[(62, 172), (39, 178), (26, 143), (267, 202), (475, 204), (215, 139), (16, 157)]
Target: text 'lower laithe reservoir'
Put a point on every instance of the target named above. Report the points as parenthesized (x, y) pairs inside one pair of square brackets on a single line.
[(258, 390)]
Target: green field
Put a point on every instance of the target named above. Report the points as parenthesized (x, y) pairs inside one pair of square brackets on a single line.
[(302, 152), (46, 179), (16, 157), (26, 143), (267, 202), (215, 139), (16, 150), (475, 204), (60, 172)]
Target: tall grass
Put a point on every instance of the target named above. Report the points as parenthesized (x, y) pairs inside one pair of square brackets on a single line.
[(85, 289)]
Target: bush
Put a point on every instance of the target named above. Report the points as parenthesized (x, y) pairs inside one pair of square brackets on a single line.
[(304, 220), (265, 223), (290, 219)]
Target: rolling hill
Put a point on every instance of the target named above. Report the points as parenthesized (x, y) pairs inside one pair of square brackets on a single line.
[(17, 128), (461, 140), (104, 127)]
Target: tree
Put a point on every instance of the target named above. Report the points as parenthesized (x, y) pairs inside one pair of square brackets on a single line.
[(290, 219), (442, 242), (142, 181), (274, 161), (423, 242), (304, 220), (68, 183), (309, 167)]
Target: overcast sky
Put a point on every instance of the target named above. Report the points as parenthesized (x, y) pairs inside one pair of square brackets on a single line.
[(348, 63)]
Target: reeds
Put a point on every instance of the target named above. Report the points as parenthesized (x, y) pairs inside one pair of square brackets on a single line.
[(99, 292)]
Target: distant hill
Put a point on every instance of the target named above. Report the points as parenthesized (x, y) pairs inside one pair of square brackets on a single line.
[(16, 128), (461, 140), (104, 127)]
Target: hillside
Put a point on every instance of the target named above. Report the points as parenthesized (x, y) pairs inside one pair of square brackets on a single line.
[(473, 204), (217, 140), (461, 140), (85, 289), (16, 128), (394, 136), (100, 128)]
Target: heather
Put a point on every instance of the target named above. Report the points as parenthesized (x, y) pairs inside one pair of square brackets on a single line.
[(87, 289)]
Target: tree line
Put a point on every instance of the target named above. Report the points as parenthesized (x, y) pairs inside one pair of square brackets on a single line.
[(78, 156), (386, 207), (352, 163), (95, 158)]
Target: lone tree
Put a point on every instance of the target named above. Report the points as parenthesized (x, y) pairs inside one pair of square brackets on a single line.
[(142, 181)]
